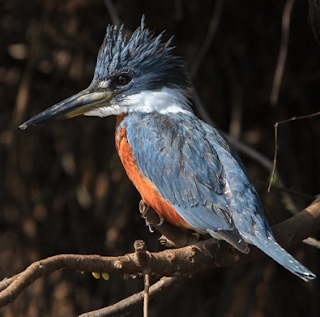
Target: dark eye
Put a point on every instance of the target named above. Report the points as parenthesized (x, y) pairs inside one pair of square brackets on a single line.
[(123, 79)]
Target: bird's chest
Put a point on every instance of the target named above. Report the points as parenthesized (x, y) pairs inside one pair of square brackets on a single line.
[(124, 150), (148, 191), (131, 143)]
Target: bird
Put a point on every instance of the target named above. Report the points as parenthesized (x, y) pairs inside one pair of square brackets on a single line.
[(181, 166)]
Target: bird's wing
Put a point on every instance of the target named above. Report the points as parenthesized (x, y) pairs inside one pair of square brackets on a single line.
[(179, 157)]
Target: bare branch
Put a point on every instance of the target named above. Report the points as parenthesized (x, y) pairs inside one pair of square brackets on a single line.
[(146, 295), (132, 301), (275, 155), (276, 125), (143, 259), (176, 262)]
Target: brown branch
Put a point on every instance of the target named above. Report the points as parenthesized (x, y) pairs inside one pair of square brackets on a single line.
[(146, 294), (175, 262), (132, 301), (143, 259)]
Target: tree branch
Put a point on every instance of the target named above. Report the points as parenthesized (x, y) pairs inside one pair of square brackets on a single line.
[(130, 302), (172, 262)]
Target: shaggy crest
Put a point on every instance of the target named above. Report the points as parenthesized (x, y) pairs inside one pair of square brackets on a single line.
[(142, 54)]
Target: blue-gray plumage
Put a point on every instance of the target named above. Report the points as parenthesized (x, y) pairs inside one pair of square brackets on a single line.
[(181, 166)]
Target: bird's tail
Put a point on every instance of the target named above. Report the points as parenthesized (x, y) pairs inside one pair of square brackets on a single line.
[(280, 255)]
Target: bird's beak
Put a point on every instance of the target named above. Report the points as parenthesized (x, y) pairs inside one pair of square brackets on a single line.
[(76, 105)]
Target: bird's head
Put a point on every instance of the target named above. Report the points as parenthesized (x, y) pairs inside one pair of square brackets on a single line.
[(138, 74)]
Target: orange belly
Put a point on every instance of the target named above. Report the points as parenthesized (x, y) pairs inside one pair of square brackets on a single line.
[(147, 190)]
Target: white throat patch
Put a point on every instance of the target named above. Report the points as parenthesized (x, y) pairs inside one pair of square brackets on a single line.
[(164, 101)]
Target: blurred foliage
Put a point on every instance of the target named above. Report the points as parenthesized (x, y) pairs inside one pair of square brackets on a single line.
[(63, 189)]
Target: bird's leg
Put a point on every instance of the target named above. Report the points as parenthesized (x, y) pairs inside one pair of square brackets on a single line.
[(143, 208), (172, 236)]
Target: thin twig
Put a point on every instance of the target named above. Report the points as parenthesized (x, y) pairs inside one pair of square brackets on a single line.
[(306, 116), (146, 295), (26, 80), (276, 125), (314, 17), (113, 12), (212, 30), (132, 301), (275, 155), (282, 53), (142, 257)]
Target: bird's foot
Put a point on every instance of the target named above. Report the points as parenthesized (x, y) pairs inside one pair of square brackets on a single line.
[(143, 208)]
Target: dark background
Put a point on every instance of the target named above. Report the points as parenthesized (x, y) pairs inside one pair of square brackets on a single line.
[(63, 189)]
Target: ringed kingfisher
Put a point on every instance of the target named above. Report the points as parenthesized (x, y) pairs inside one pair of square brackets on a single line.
[(183, 168)]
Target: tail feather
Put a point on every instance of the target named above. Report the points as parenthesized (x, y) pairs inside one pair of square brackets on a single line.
[(280, 255)]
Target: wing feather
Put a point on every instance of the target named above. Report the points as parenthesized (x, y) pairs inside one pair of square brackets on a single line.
[(179, 156), (176, 155)]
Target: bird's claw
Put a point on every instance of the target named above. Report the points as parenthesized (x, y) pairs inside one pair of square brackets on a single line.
[(149, 226), (160, 222)]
